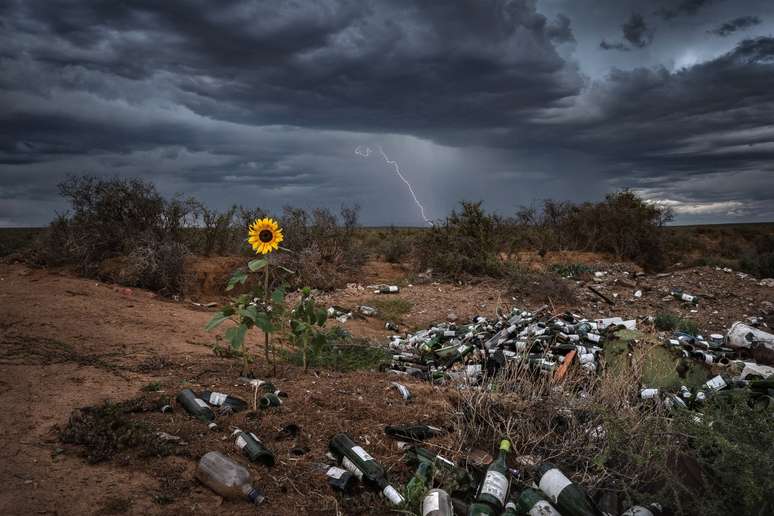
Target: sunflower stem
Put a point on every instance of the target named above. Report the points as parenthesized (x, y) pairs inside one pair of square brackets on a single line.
[(266, 306)]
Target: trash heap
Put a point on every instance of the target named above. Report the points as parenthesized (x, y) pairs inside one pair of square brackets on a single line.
[(722, 352), (543, 342)]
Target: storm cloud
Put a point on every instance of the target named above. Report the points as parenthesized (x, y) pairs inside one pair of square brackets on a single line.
[(263, 102), (740, 23)]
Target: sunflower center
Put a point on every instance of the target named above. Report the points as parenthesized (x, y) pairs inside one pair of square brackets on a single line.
[(265, 236)]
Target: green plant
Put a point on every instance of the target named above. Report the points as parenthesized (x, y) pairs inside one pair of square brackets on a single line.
[(151, 387), (667, 321), (467, 242), (732, 444), (246, 311), (341, 352), (306, 323), (390, 308)]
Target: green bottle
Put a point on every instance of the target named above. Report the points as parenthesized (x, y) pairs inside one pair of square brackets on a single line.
[(358, 462), (494, 488), (420, 482), (253, 448), (269, 400), (533, 503), (456, 479), (567, 497)]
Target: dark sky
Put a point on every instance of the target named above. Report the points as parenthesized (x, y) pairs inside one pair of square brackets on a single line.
[(262, 103)]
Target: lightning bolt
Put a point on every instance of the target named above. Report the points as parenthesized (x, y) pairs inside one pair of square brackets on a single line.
[(365, 152)]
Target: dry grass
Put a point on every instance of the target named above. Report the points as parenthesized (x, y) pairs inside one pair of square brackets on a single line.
[(593, 427)]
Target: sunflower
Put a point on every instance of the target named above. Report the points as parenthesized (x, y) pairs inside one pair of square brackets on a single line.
[(264, 235)]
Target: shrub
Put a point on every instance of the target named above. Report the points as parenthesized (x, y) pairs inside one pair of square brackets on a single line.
[(759, 265), (623, 225), (667, 321), (541, 287), (157, 266), (121, 217), (324, 250), (396, 245), (732, 444), (466, 243)]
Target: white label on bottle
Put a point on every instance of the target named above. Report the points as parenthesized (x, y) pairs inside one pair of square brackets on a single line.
[(432, 502), (593, 337), (403, 390), (240, 442), (360, 452), (350, 466), (200, 403), (495, 484), (716, 383), (553, 483), (543, 508), (449, 333), (393, 496), (335, 472), (687, 297), (217, 398), (708, 358)]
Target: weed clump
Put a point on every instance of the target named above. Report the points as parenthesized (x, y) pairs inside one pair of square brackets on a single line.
[(667, 321), (108, 429), (390, 309), (732, 444)]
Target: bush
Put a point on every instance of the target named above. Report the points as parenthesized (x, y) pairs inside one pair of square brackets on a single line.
[(732, 444), (466, 243), (396, 245), (120, 217), (759, 265), (158, 266), (666, 321), (541, 287), (623, 225), (324, 250)]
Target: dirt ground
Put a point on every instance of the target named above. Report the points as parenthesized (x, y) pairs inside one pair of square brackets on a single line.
[(68, 342)]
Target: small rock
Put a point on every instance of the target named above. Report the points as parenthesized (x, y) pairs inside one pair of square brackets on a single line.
[(451, 317)]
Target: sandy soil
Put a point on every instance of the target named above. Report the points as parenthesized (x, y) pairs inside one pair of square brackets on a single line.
[(68, 342)]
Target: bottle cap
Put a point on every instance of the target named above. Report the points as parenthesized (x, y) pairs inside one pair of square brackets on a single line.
[(505, 445), (256, 496)]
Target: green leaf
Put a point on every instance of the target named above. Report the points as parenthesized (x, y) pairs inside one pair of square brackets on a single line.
[(322, 316), (257, 264), (263, 322), (251, 312), (216, 321), (236, 336), (278, 296), (239, 277)]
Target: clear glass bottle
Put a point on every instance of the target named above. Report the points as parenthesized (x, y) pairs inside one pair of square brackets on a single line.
[(227, 478)]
